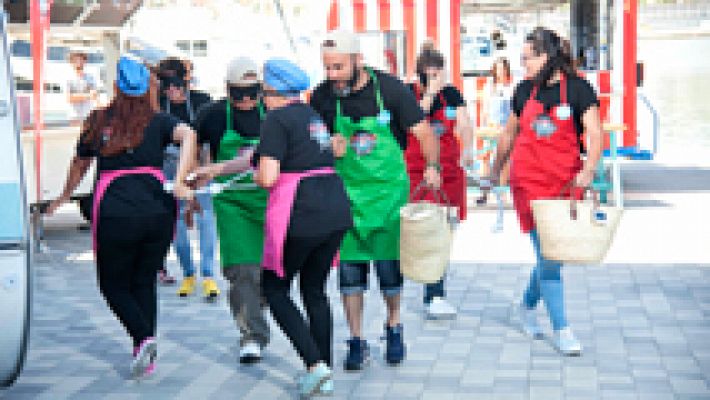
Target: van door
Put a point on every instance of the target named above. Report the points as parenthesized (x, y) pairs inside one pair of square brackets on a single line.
[(15, 249)]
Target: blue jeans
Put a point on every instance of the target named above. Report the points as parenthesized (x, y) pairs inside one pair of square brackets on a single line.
[(432, 290), (546, 284), (205, 224), (353, 277)]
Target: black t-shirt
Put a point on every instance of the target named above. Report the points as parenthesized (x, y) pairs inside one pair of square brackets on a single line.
[(397, 99), (136, 195), (580, 96), (212, 122), (451, 95), (296, 136), (197, 101)]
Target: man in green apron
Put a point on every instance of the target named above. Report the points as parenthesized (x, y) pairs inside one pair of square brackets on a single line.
[(370, 113), (231, 127)]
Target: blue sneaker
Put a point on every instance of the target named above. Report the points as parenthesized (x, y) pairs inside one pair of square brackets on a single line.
[(395, 352), (312, 381), (358, 354)]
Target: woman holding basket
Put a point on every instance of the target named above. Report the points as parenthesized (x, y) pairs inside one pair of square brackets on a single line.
[(552, 108)]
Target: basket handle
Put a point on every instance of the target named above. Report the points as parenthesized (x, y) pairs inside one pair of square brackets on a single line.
[(437, 192), (568, 191)]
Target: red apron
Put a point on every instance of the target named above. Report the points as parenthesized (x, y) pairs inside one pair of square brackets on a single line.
[(542, 166), (105, 180), (278, 215), (452, 174)]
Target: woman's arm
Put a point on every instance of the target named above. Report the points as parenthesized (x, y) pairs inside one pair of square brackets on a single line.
[(593, 129), (464, 128), (186, 137), (77, 170), (267, 172), (505, 145)]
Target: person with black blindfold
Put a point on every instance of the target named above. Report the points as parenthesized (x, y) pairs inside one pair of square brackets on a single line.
[(178, 100), (231, 127)]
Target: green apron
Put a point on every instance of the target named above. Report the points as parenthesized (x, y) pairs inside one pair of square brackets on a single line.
[(239, 213), (375, 176)]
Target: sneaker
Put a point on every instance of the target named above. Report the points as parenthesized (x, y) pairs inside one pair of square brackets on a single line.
[(143, 357), (358, 354), (165, 278), (566, 343), (150, 370), (187, 287), (312, 381), (210, 289), (327, 388), (440, 308), (250, 353), (395, 352), (528, 320)]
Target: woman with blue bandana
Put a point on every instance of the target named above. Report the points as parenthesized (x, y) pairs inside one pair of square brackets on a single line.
[(307, 215), (133, 216)]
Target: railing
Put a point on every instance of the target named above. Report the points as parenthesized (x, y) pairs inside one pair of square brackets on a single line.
[(656, 120)]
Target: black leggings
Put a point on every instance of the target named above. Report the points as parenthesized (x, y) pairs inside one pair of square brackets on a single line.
[(131, 250), (313, 259)]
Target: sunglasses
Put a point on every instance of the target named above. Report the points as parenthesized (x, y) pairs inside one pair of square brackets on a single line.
[(250, 92)]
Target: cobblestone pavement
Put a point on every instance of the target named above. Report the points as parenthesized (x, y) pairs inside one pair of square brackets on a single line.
[(645, 328)]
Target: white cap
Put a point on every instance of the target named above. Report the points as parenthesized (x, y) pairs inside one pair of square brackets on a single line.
[(341, 42), (242, 71)]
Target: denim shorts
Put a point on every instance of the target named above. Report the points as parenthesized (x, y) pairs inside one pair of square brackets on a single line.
[(353, 277)]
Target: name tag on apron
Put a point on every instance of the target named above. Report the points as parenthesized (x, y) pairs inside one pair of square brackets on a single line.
[(384, 117), (563, 112)]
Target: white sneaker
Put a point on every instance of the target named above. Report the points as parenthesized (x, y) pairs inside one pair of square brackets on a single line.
[(528, 321), (440, 308), (250, 353), (566, 343)]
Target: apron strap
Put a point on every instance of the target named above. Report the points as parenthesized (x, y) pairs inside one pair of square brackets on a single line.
[(229, 114)]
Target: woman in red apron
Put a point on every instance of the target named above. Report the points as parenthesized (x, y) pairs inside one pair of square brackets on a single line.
[(542, 139), (133, 217), (446, 111), (307, 214)]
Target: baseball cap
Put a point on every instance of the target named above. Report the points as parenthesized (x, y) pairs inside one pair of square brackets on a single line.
[(242, 71), (342, 42)]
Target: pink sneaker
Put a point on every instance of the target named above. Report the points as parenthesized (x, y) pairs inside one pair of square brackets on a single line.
[(143, 357), (165, 278), (150, 370)]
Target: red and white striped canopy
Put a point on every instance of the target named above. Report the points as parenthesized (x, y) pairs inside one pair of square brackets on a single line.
[(437, 20)]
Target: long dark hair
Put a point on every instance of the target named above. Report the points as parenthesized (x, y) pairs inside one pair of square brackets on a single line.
[(545, 41), (120, 126)]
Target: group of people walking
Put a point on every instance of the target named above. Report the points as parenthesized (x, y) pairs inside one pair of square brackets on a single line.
[(309, 186)]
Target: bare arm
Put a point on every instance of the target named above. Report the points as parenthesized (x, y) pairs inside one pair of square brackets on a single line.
[(77, 170), (464, 129), (505, 144), (186, 137), (428, 141), (267, 172), (593, 129)]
